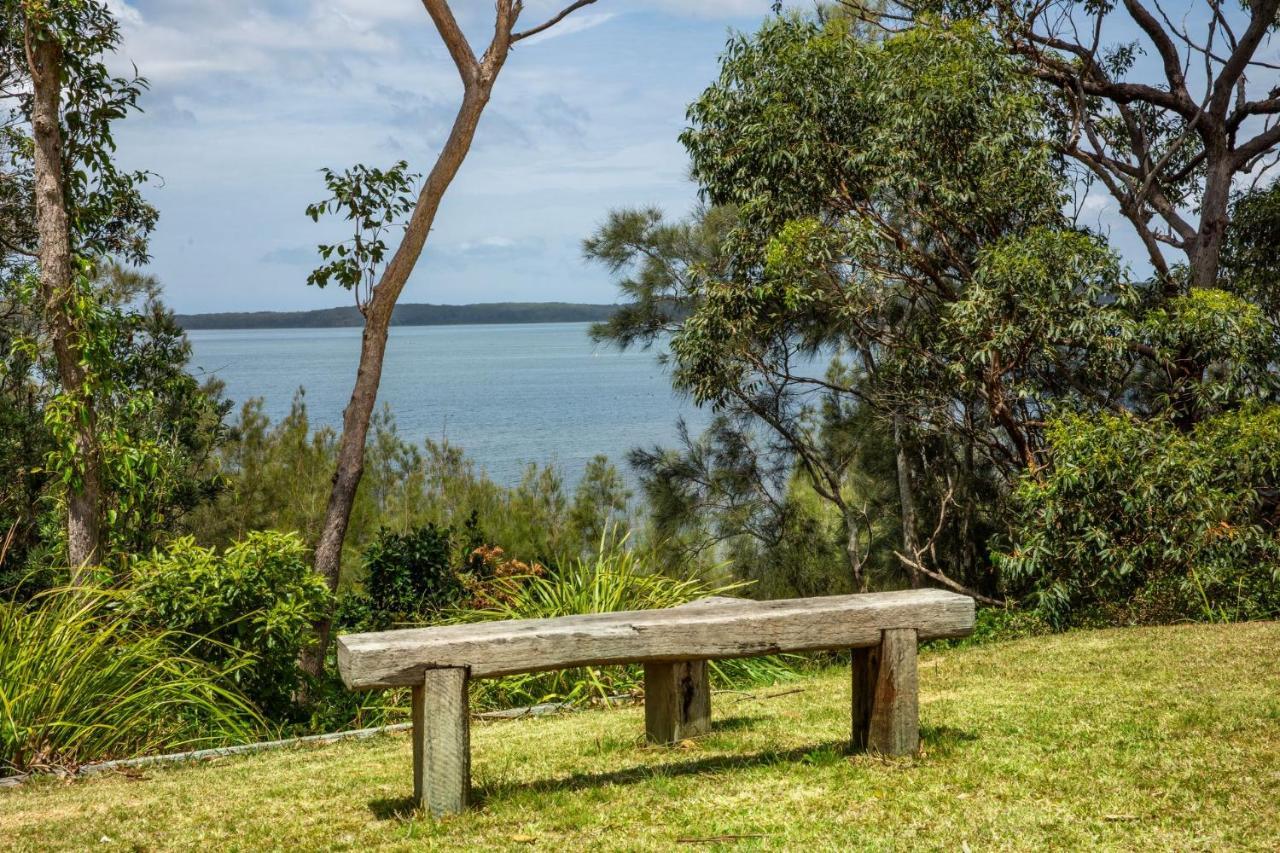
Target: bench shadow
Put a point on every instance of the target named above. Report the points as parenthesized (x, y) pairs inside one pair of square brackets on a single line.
[(937, 740), (642, 772), (393, 808), (734, 723), (939, 734)]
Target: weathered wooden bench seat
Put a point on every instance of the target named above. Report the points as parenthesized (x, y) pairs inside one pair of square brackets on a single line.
[(674, 645)]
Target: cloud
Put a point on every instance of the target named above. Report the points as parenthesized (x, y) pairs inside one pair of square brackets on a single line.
[(291, 256), (715, 9), (492, 247), (250, 98), (558, 115), (168, 112), (186, 39), (575, 23), (1096, 202)]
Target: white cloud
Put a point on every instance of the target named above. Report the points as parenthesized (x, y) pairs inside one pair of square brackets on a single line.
[(1096, 202), (202, 37), (713, 9), (576, 23)]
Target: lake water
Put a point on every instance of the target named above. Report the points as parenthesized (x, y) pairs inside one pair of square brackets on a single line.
[(507, 394)]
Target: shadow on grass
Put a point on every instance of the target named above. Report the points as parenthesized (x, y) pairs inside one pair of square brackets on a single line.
[(941, 741), (936, 740), (735, 723), (393, 808)]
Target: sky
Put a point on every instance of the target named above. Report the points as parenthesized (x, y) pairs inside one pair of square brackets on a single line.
[(249, 99)]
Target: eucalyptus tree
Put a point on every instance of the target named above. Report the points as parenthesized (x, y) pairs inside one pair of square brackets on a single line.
[(62, 104), (374, 200), (897, 206), (1172, 142), (1171, 108)]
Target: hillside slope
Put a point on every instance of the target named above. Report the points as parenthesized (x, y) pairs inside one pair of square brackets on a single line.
[(1139, 738)]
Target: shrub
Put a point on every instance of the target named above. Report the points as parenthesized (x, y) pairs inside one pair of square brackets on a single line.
[(1139, 521), (78, 683), (410, 577), (408, 574), (252, 607), (611, 581)]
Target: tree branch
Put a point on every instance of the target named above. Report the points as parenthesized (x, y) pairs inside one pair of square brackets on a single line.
[(454, 39), (1168, 51), (1263, 18), (552, 21)]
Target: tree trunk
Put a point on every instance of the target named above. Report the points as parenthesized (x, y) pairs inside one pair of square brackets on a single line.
[(1206, 253), (906, 497), (382, 301), (44, 56), (853, 549)]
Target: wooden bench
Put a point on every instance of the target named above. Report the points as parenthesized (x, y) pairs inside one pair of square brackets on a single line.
[(674, 646)]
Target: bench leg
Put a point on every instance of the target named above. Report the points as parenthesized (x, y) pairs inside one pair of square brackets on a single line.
[(441, 742), (677, 701), (886, 708)]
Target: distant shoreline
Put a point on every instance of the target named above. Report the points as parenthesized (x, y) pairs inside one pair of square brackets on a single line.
[(411, 314)]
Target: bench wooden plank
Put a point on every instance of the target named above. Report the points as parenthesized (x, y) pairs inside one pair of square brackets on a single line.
[(709, 631)]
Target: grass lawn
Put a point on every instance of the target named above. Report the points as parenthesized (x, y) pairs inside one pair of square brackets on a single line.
[(1138, 738)]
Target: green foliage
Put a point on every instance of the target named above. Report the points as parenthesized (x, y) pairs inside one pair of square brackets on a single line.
[(157, 426), (277, 476), (894, 203), (251, 606), (614, 579), (411, 576), (1230, 340), (80, 683), (999, 625), (1251, 266), (884, 200), (1138, 520), (658, 263), (108, 216), (373, 200), (600, 505), (1057, 298)]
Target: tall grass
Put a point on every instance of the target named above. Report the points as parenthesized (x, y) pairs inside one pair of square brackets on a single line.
[(613, 580), (79, 684)]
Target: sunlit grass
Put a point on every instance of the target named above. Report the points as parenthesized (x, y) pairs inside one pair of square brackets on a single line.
[(1162, 738)]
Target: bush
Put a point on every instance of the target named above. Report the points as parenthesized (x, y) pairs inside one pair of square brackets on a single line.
[(252, 606), (1141, 522), (611, 581), (411, 574), (78, 683)]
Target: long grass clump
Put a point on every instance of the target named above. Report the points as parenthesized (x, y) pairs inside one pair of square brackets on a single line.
[(78, 684), (614, 579)]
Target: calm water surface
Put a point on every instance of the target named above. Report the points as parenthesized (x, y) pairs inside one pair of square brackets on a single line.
[(507, 394)]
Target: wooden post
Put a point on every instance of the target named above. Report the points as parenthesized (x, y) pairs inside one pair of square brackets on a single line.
[(441, 742), (677, 701), (886, 705)]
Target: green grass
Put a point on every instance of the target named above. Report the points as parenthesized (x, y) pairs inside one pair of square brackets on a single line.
[(1138, 738)]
